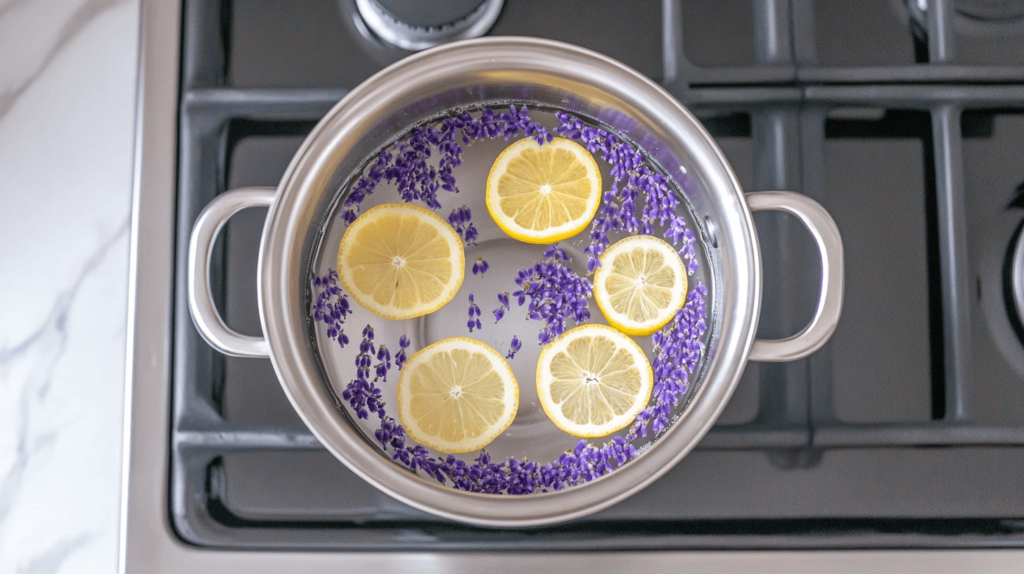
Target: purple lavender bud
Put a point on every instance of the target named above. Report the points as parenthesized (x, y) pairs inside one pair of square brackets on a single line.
[(554, 252), (514, 347), (480, 266), (520, 297)]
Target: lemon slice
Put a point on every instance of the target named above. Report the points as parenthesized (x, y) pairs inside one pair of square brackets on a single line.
[(457, 395), (400, 261), (640, 285), (593, 381), (543, 194)]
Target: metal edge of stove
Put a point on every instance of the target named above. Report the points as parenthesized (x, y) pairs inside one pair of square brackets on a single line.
[(147, 542)]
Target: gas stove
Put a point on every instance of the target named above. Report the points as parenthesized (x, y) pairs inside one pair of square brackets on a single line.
[(906, 432)]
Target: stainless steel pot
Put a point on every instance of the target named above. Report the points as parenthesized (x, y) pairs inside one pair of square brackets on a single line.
[(536, 72)]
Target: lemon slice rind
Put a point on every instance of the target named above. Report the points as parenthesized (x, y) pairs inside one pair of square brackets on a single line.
[(409, 390), (546, 379), (500, 174), (667, 291)]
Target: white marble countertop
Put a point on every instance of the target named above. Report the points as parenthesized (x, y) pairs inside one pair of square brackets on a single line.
[(67, 103)]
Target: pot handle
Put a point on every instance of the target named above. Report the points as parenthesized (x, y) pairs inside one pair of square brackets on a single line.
[(200, 299), (830, 302), (1018, 276)]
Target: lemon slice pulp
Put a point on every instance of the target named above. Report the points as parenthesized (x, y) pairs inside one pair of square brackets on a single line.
[(400, 261), (593, 380), (457, 395), (543, 193), (640, 285)]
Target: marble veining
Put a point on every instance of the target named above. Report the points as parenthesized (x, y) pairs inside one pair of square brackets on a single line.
[(52, 560), (82, 16), (67, 98), (36, 358)]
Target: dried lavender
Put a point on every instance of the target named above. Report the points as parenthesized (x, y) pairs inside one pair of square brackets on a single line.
[(480, 266), (331, 306), (474, 315), (581, 464), (461, 220), (364, 186), (390, 433), (513, 348), (403, 344), (619, 204), (384, 364), (679, 346), (677, 349), (500, 311), (410, 166), (362, 395), (556, 294)]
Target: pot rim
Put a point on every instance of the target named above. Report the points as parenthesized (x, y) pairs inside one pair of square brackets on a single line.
[(284, 253)]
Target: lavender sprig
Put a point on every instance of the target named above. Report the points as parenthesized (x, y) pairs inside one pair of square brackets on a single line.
[(513, 348), (461, 220), (556, 294), (416, 178), (362, 395), (500, 311), (384, 365), (403, 344), (364, 186), (390, 433), (331, 306), (474, 315)]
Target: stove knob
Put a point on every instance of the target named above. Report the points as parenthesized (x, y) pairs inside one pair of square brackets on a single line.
[(419, 24)]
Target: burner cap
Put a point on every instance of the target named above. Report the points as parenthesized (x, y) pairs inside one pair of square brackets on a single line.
[(419, 24), (992, 18)]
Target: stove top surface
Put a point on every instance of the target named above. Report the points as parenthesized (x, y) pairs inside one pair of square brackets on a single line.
[(906, 430)]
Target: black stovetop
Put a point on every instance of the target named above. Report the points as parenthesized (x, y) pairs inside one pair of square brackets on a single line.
[(906, 430)]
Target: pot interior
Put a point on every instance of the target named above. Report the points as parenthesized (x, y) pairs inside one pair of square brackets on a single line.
[(532, 436)]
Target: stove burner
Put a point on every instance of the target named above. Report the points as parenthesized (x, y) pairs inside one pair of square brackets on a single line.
[(991, 18), (418, 25)]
